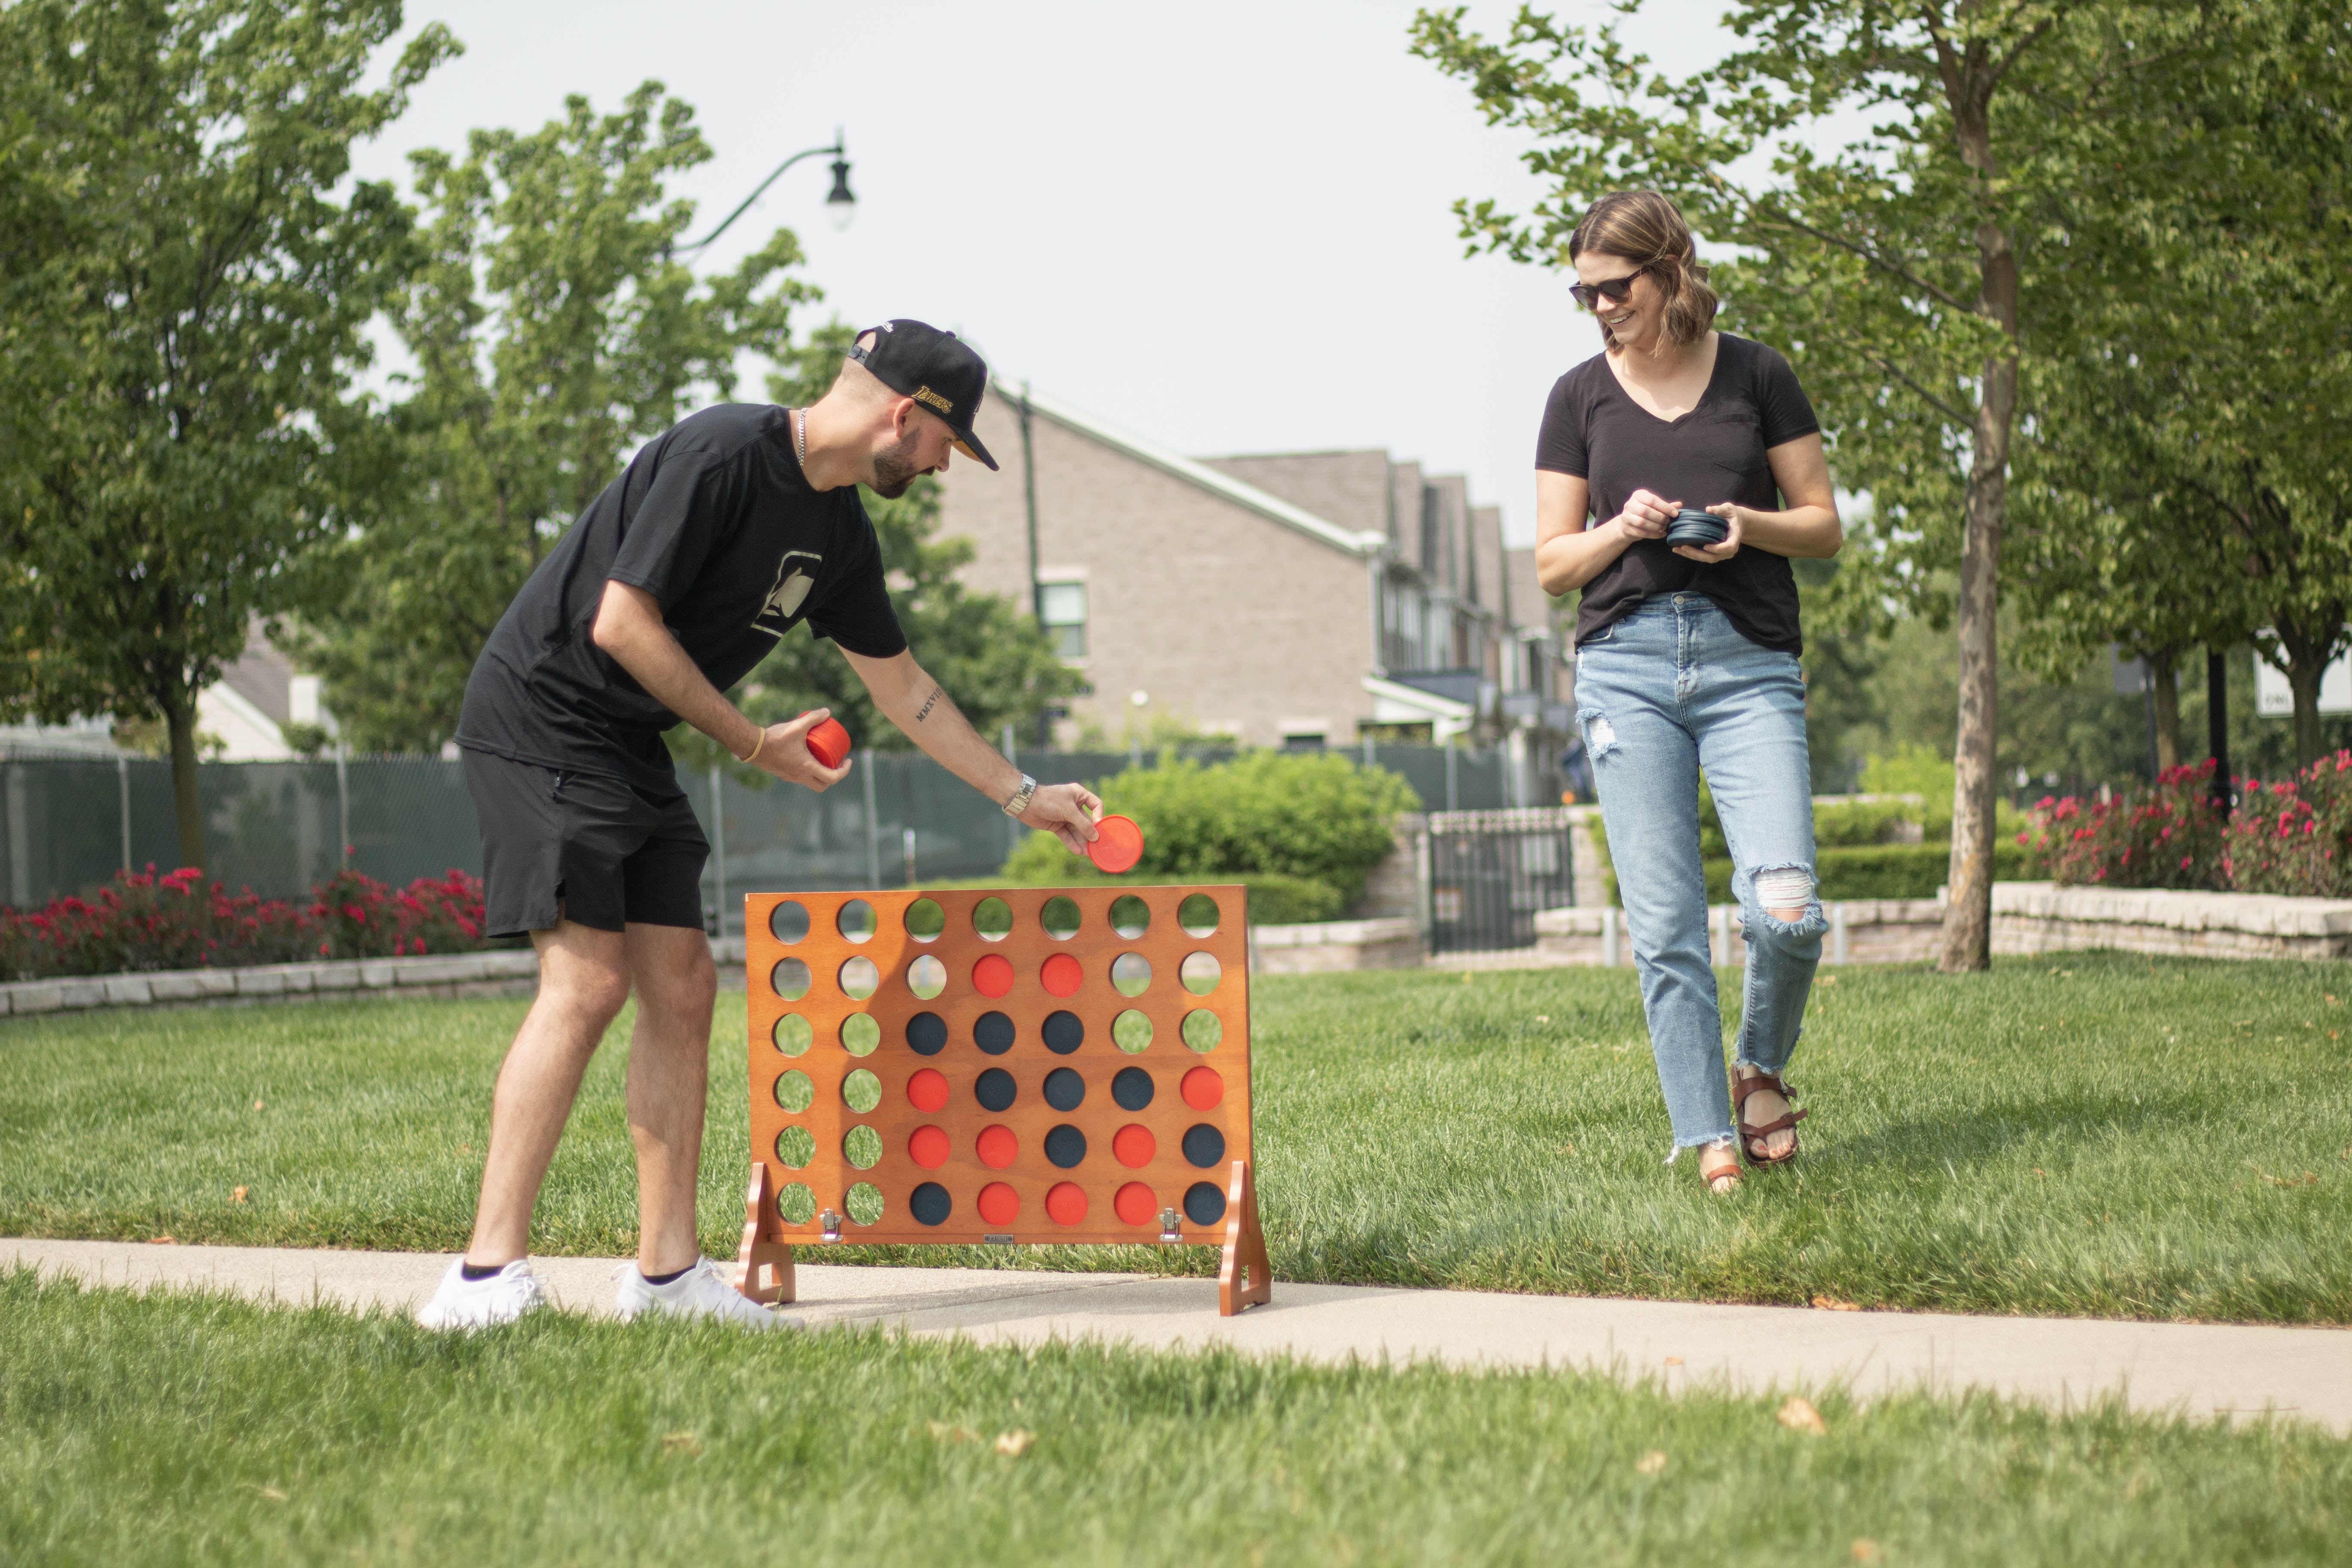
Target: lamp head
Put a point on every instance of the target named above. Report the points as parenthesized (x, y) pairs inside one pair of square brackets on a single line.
[(840, 204)]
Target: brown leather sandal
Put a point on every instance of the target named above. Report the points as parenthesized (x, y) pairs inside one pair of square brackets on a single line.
[(1730, 1175), (1742, 1087)]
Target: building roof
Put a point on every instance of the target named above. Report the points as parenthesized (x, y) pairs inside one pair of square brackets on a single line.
[(1358, 544), (1349, 488)]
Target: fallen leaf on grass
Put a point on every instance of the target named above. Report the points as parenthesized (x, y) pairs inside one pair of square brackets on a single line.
[(688, 1443), (1015, 1443), (946, 1434), (1865, 1550), (163, 1241), (236, 1196), (1543, 1017), (270, 1493), (1651, 1463), (257, 1105), (1799, 1415), (1832, 1304), (2308, 1179)]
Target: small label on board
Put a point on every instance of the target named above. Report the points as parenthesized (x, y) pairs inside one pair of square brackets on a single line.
[(997, 1240)]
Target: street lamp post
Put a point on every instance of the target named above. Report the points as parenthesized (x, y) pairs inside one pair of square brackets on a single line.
[(840, 203)]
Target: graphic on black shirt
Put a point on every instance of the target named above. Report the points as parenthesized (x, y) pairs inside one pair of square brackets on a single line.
[(714, 519)]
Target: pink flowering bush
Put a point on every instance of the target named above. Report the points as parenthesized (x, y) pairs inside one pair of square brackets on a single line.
[(2292, 836), (181, 920)]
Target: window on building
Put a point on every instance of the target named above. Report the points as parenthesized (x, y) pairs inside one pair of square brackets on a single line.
[(1062, 609)]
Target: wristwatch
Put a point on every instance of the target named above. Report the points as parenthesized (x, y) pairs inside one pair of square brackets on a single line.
[(1018, 801)]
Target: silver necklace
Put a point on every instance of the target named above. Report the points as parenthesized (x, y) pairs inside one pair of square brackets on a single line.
[(800, 434)]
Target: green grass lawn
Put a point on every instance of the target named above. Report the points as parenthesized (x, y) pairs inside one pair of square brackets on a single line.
[(2102, 1135), (184, 1428)]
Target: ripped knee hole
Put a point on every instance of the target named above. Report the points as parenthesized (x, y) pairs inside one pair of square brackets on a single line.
[(1786, 892)]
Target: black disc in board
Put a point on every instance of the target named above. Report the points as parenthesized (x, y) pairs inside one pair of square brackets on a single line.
[(995, 1089)]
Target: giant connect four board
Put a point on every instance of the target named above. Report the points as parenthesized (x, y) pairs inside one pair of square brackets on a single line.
[(1019, 1065)]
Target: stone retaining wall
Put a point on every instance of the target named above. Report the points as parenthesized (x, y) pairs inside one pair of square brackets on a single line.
[(1336, 945)]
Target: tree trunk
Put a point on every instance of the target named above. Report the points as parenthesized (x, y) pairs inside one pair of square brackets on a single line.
[(1968, 918), (181, 721), (2308, 645), (2164, 687), (2304, 682)]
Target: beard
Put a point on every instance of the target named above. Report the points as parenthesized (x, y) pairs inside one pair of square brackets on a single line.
[(895, 469)]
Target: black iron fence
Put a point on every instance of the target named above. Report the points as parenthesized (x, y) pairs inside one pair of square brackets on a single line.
[(1490, 872)]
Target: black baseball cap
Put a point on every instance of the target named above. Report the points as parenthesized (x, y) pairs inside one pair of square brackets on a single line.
[(937, 369)]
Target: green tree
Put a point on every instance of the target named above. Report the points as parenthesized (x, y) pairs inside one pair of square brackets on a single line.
[(554, 330), (185, 300)]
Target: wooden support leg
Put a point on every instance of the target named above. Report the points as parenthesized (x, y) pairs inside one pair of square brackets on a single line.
[(1244, 1281), (764, 1268)]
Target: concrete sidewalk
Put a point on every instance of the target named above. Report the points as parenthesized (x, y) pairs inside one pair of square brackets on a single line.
[(2198, 1370)]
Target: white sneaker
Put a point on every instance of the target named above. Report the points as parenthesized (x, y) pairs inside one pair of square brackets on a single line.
[(702, 1291), (462, 1304)]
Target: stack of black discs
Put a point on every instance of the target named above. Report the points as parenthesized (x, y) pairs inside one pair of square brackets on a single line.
[(1697, 528)]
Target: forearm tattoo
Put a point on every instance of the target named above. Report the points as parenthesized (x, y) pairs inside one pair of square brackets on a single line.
[(928, 703)]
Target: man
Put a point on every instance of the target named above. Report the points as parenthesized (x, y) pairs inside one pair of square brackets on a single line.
[(725, 531)]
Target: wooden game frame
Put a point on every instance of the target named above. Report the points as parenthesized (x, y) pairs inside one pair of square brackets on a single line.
[(828, 1004)]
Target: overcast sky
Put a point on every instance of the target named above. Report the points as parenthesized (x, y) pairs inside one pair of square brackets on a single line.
[(1223, 226)]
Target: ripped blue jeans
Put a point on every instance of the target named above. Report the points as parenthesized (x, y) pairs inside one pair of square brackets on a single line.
[(1668, 691)]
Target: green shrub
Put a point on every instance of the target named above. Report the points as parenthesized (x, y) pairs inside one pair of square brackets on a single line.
[(1320, 816), (1870, 871), (1273, 899), (1914, 769)]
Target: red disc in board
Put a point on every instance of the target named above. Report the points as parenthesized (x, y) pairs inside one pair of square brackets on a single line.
[(996, 1146), (928, 1148), (1065, 1202), (829, 742), (999, 1204), (1062, 975), (1133, 1146), (927, 1089), (1135, 1204), (993, 975), (1204, 1089), (1118, 844)]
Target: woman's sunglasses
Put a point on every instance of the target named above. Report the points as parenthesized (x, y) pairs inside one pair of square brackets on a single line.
[(1615, 290)]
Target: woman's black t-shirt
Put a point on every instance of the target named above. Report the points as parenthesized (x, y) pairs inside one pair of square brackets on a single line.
[(1715, 453)]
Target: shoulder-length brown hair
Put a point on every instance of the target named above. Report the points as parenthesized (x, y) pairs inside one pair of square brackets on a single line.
[(1645, 227)]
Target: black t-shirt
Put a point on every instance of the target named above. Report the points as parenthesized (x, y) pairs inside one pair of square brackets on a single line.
[(1712, 454), (713, 518)]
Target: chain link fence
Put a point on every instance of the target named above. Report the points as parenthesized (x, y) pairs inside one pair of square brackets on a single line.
[(69, 823)]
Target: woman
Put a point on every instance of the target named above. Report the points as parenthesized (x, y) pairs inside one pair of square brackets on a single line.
[(1687, 654)]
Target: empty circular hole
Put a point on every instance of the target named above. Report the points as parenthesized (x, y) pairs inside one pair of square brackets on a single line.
[(993, 1033), (795, 1147), (992, 919), (862, 1147), (861, 1091), (1198, 915), (1203, 1145), (999, 1204), (1064, 1089), (996, 1090), (927, 1091), (925, 977), (993, 975), (930, 1203), (1135, 1204), (927, 1033), (789, 921), (863, 1201), (1129, 916), (925, 920), (1064, 1033), (1130, 974), (1131, 1031), (1203, 1030), (796, 1205), (1200, 972), (1134, 1146), (856, 922), (1204, 1089), (1060, 917), (1065, 1202), (1061, 975), (792, 1033), (1131, 1089), (1204, 1202), (928, 1147), (1066, 1147), (860, 1033), (794, 1092), (790, 978), (996, 1146), (860, 978)]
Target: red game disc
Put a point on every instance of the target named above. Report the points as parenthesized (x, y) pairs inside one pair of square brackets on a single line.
[(1204, 1089), (993, 975), (1117, 846), (1066, 1203), (1133, 1146), (927, 1089), (1062, 975), (829, 742), (996, 1146), (999, 1204), (928, 1148), (1135, 1204)]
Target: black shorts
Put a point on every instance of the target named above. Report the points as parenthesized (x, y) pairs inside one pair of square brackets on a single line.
[(581, 847)]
